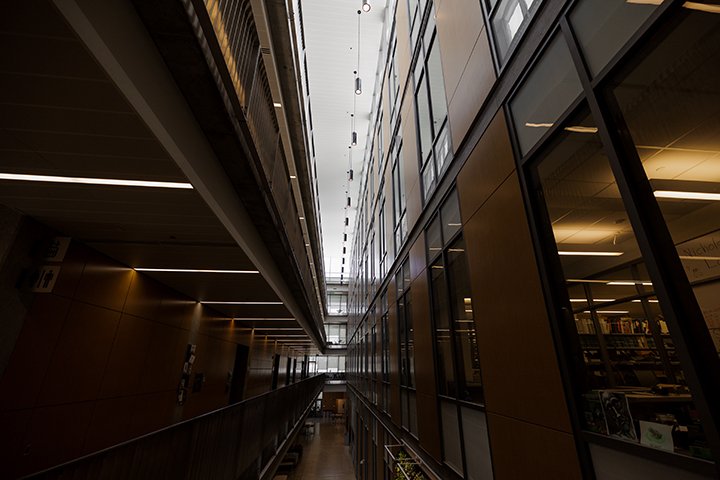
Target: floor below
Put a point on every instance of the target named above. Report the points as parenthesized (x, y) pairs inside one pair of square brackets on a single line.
[(325, 455)]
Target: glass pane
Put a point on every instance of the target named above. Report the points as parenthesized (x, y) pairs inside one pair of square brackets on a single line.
[(425, 135), (475, 433), (428, 178), (451, 436), (467, 354), (437, 87), (555, 76), (451, 221), (433, 238), (671, 104), (410, 342), (631, 371), (510, 19), (442, 149), (441, 318), (602, 27)]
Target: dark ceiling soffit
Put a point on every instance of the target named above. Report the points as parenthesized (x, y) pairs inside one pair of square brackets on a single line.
[(169, 26)]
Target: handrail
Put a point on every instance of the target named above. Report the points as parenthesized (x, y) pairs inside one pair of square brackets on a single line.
[(224, 443)]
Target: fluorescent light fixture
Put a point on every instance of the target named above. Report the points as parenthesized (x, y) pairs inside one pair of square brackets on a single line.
[(687, 195), (610, 312), (645, 2), (277, 105), (590, 254), (702, 7), (628, 283), (93, 181), (651, 300), (190, 270), (598, 300), (274, 328), (263, 319), (538, 125), (456, 250), (242, 303), (699, 257), (301, 218), (581, 129), (281, 335), (293, 177)]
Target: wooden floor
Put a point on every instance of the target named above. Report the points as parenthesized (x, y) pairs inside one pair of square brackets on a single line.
[(325, 455)]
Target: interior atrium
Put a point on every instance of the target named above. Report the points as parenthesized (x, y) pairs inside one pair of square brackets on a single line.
[(360, 239)]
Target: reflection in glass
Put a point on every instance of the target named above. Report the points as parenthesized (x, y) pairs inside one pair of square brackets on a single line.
[(510, 18), (554, 75), (463, 325), (602, 27)]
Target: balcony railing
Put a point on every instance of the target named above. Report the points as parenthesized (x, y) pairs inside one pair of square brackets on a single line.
[(235, 442)]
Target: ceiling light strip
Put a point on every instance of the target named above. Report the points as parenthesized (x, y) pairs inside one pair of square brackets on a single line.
[(93, 181), (191, 270)]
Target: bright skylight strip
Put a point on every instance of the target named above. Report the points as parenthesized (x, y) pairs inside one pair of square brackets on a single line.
[(191, 270), (93, 181)]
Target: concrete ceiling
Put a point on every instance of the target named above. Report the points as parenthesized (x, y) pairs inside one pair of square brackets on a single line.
[(331, 38), (60, 114)]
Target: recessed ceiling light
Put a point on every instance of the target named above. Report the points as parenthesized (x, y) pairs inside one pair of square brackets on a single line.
[(93, 181), (191, 270), (699, 257), (609, 311), (242, 303), (581, 129), (702, 7), (687, 195), (590, 254), (597, 300)]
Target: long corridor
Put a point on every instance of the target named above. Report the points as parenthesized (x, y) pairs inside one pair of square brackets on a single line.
[(325, 455)]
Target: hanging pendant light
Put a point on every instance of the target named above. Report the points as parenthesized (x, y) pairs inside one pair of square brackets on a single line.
[(358, 86), (353, 139), (366, 6)]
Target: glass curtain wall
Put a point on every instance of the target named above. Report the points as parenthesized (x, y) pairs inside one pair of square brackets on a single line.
[(622, 165)]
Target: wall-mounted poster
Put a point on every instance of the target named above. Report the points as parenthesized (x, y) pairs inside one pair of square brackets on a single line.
[(593, 413), (656, 435), (617, 415)]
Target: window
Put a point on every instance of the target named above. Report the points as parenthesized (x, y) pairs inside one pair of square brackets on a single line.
[(431, 108), (602, 27), (624, 340), (385, 362), (398, 184), (407, 349), (555, 75), (509, 19), (457, 354)]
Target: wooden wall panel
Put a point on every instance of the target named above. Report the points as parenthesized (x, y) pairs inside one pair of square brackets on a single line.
[(472, 90), (524, 450), (517, 355), (98, 362), (487, 167), (459, 23)]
